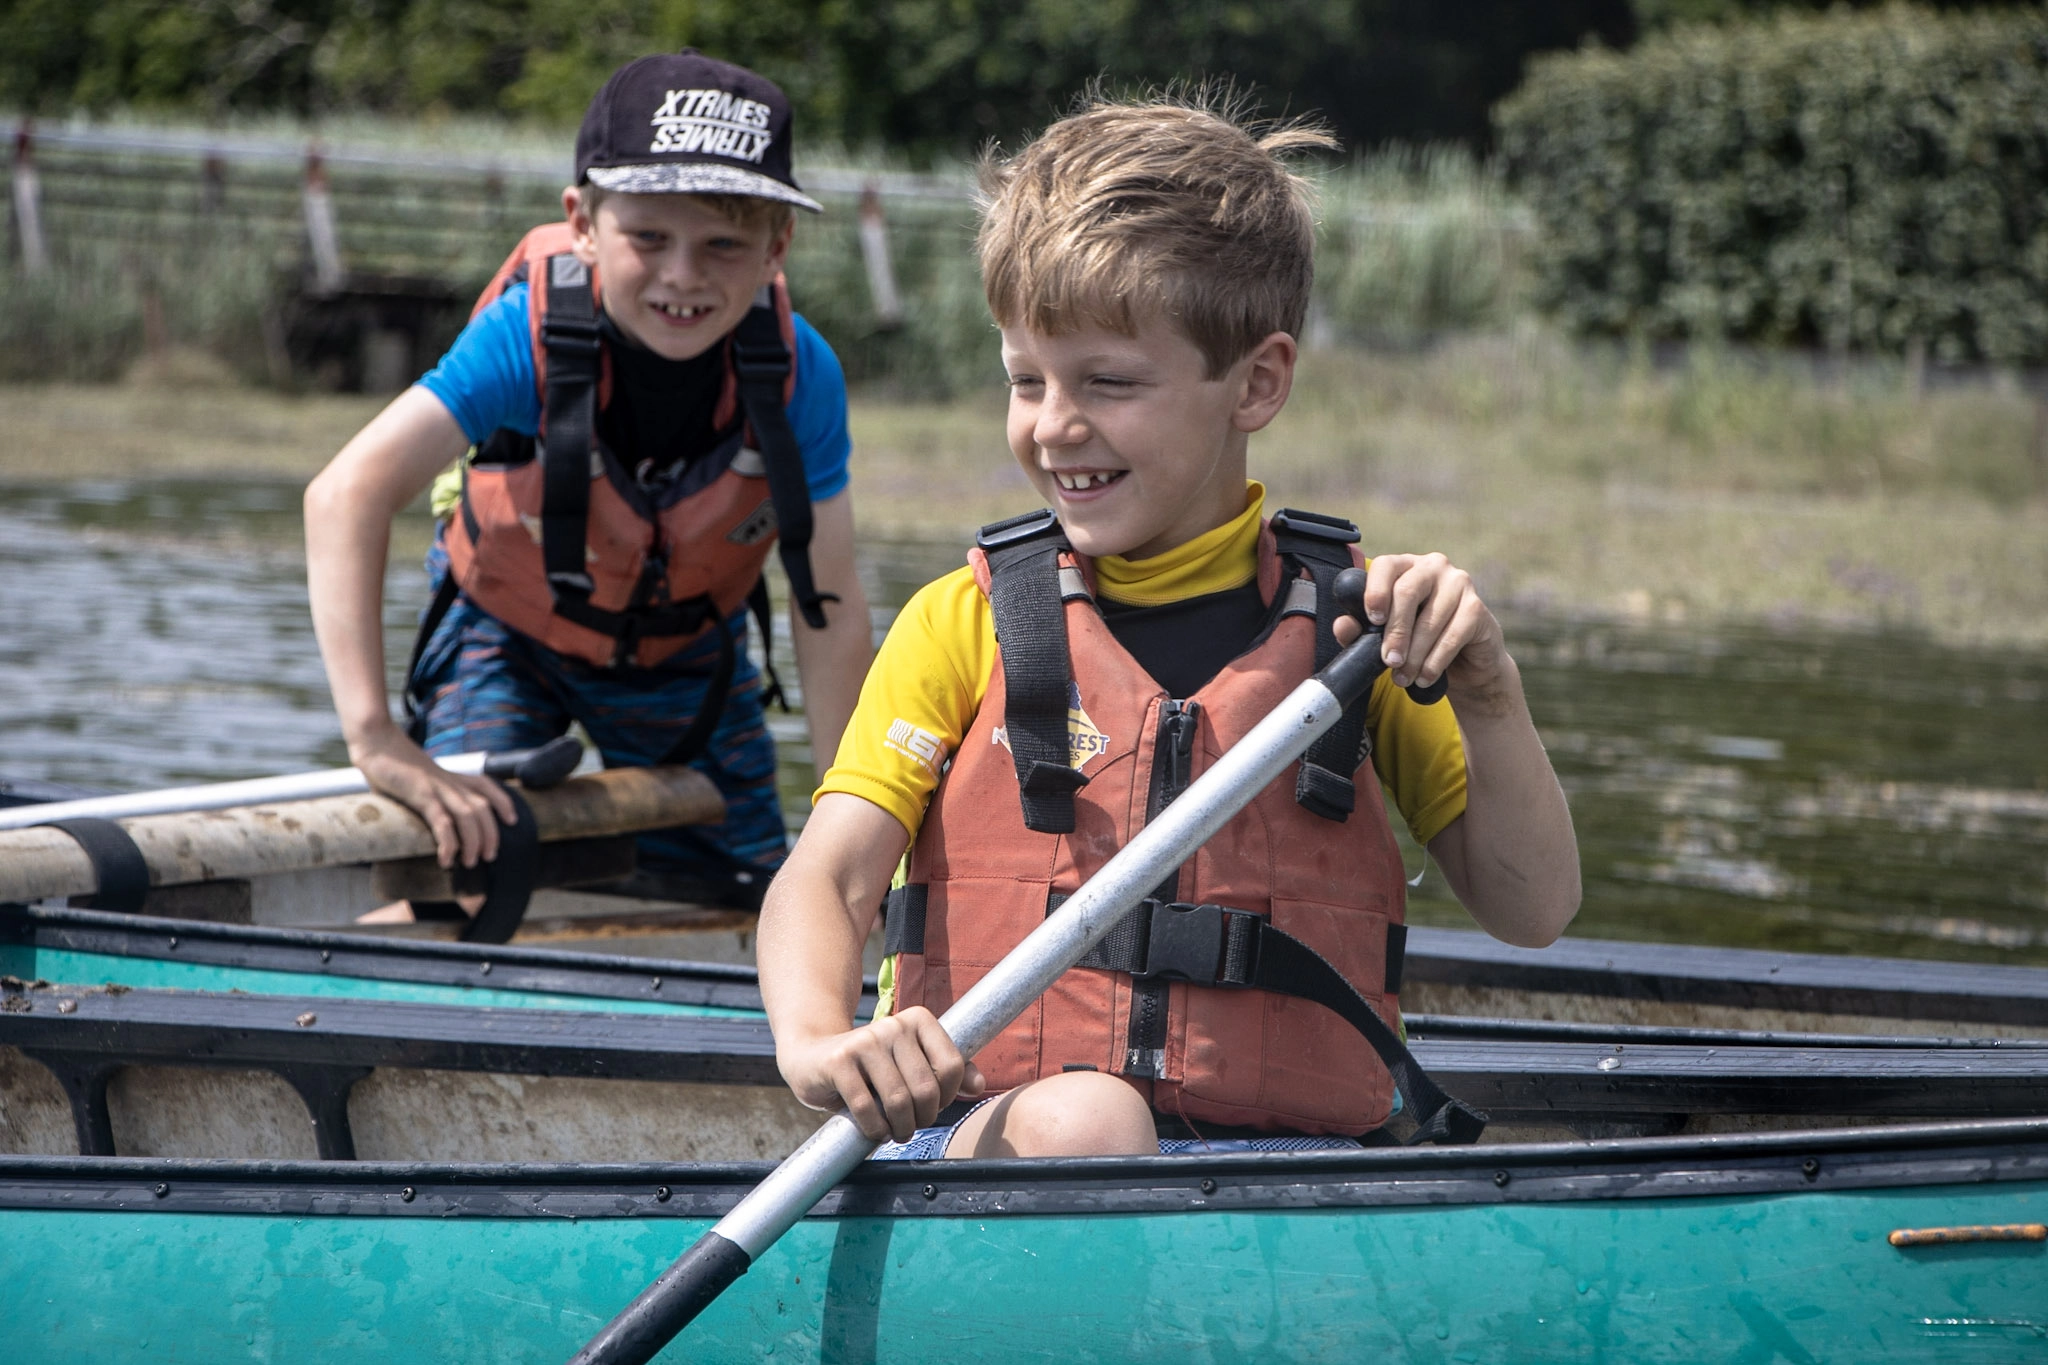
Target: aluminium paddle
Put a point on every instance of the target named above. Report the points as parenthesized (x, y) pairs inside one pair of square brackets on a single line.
[(534, 768), (830, 1154)]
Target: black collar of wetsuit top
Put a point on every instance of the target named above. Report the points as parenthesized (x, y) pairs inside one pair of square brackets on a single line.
[(660, 415), (1183, 645)]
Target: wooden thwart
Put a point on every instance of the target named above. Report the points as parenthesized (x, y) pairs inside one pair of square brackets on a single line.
[(342, 831)]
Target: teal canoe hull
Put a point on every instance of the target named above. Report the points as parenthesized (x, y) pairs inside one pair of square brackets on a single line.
[(1533, 1255), (100, 969), (96, 948)]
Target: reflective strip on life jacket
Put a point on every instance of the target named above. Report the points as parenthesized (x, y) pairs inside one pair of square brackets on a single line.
[(1168, 1002)]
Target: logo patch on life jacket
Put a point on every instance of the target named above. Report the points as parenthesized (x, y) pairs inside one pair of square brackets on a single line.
[(759, 525), (1084, 741)]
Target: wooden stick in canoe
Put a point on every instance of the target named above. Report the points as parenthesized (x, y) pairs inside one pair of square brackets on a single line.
[(337, 831), (774, 1206)]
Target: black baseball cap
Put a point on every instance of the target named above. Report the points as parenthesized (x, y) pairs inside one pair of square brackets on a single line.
[(685, 123)]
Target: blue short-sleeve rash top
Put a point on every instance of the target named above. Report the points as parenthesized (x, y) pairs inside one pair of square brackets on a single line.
[(486, 382)]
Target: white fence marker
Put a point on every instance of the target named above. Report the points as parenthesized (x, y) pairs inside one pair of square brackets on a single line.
[(28, 205), (321, 240), (874, 251)]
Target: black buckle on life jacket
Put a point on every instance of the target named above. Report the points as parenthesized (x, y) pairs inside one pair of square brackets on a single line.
[(1314, 526), (1208, 945), (576, 336), (1018, 530)]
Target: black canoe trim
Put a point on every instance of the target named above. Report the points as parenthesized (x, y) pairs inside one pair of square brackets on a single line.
[(187, 1028), (1743, 978), (1436, 1026), (1745, 1165), (488, 966), (1735, 977), (1590, 1086), (1519, 1078)]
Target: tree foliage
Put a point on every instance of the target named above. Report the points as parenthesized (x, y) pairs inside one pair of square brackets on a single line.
[(1874, 180), (936, 76)]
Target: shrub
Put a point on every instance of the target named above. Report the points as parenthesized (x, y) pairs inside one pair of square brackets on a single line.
[(1873, 180)]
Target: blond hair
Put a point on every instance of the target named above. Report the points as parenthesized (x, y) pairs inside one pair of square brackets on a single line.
[(1170, 206)]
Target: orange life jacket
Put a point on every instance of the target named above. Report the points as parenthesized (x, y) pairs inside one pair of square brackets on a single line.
[(569, 549), (1216, 998)]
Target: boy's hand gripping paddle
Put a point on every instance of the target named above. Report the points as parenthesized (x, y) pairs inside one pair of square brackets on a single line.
[(829, 1155)]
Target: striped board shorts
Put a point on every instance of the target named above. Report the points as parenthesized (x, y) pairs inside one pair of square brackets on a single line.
[(489, 687)]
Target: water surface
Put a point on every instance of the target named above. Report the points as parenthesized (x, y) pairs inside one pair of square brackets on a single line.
[(1790, 788)]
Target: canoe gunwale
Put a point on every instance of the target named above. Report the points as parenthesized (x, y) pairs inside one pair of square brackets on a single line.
[(1742, 1165), (1693, 1069), (557, 971), (203, 1028), (324, 1044), (1450, 1026), (1740, 978)]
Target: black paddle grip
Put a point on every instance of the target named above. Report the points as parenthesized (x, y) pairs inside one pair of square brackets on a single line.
[(1350, 588), (667, 1306)]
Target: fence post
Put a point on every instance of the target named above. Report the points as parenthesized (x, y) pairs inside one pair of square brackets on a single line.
[(321, 240), (213, 184), (874, 250), (28, 205)]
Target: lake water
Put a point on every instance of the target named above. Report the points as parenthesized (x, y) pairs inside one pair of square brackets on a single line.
[(1832, 792)]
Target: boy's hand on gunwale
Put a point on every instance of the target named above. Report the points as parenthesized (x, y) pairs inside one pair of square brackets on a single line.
[(1436, 625), (462, 811), (893, 1075)]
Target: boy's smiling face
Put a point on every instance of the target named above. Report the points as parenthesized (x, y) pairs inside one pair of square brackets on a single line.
[(1128, 439), (677, 275)]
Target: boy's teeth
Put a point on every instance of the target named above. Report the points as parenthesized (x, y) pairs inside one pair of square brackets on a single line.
[(1077, 482)]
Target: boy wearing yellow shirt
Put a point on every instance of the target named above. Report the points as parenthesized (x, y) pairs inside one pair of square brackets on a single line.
[(1149, 268)]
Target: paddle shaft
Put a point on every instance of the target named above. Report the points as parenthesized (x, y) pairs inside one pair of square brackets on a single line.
[(829, 1155), (541, 767)]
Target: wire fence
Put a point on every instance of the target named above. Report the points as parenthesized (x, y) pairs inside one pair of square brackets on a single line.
[(351, 263)]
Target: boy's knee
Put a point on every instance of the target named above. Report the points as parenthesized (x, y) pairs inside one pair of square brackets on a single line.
[(1077, 1113)]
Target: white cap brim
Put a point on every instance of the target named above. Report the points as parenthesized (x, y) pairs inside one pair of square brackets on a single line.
[(677, 177)]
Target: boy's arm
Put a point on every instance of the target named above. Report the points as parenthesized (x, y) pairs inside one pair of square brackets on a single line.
[(833, 661), (895, 1074), (349, 509), (1511, 858)]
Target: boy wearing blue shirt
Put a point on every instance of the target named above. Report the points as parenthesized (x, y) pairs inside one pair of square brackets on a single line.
[(645, 418)]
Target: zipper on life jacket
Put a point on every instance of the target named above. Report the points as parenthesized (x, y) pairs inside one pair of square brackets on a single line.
[(1173, 758), (1173, 762)]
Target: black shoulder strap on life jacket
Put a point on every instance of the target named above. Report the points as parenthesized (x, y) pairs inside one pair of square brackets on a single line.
[(568, 428), (761, 364), (1320, 546), (1031, 631)]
